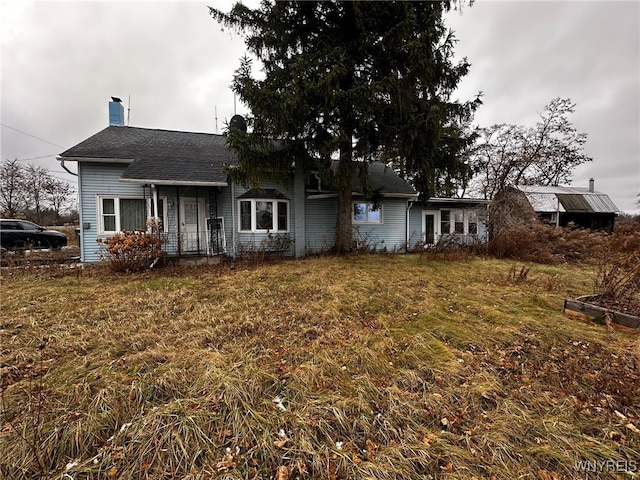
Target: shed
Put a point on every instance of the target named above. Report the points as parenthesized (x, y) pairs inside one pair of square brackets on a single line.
[(581, 206)]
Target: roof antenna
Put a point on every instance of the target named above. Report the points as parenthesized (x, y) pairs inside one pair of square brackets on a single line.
[(216, 116), (129, 110)]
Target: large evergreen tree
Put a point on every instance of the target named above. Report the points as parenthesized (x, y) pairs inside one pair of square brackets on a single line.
[(346, 83)]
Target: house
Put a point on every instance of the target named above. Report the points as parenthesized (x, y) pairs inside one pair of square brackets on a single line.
[(128, 175), (579, 206)]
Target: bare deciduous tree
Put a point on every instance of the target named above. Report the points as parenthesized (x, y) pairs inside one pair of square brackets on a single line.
[(545, 154), (31, 192), (12, 190), (59, 196), (36, 181)]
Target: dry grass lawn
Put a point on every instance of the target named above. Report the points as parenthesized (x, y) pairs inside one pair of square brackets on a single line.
[(381, 367)]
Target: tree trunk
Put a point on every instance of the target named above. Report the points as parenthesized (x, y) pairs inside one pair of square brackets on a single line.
[(344, 177)]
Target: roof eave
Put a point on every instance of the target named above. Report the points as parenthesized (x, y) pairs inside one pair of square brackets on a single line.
[(95, 159), (149, 181), (407, 196)]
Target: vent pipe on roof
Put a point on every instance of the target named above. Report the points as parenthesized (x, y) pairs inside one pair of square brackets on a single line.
[(592, 185), (116, 112)]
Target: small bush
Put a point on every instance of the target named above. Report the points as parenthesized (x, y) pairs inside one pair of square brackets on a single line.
[(131, 251)]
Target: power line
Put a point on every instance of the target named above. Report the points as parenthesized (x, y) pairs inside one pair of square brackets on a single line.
[(68, 180), (32, 136), (36, 158)]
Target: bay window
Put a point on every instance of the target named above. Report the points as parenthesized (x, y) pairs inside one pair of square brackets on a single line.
[(264, 215)]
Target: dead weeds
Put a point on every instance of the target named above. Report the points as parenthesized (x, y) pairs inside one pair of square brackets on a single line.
[(357, 367)]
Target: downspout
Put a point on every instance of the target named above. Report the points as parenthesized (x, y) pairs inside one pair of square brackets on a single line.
[(406, 242), (61, 160), (233, 218)]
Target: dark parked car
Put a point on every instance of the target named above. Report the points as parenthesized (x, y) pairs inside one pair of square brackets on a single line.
[(18, 234)]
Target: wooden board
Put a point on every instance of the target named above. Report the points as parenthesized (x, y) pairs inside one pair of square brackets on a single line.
[(596, 312)]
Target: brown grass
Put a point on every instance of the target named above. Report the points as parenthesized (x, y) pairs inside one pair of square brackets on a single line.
[(360, 367)]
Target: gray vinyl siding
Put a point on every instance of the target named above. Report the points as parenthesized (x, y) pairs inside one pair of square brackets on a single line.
[(390, 235), (320, 224), (416, 235), (98, 179)]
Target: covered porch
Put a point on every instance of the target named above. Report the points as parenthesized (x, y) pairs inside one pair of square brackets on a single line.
[(188, 219)]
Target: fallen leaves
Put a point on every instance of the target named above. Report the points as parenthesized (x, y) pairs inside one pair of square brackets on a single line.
[(282, 473), (547, 475), (226, 464), (112, 473)]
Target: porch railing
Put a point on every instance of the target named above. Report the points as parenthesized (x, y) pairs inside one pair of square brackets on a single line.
[(193, 243)]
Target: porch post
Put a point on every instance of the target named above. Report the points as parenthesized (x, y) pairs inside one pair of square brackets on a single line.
[(154, 193)]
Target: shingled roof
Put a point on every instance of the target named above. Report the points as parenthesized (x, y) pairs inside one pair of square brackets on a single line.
[(385, 180), (567, 199), (185, 158), (159, 156)]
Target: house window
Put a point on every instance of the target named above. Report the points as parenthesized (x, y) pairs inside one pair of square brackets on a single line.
[(245, 215), (119, 214), (264, 215), (366, 212), (458, 222), (445, 222), (283, 216), (472, 222)]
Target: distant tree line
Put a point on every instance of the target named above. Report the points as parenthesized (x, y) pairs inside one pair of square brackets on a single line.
[(31, 192)]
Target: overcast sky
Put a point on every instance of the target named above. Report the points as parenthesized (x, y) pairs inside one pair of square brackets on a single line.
[(61, 63)]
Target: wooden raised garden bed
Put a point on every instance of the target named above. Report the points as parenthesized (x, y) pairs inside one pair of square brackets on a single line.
[(586, 307)]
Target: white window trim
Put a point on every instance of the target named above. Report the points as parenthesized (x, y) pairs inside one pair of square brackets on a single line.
[(465, 222), (254, 229), (117, 198), (366, 222)]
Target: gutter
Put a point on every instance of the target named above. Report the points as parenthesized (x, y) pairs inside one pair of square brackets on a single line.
[(174, 182), (61, 160), (97, 159)]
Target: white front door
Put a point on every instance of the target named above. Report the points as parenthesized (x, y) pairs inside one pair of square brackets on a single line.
[(192, 226), (430, 227)]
